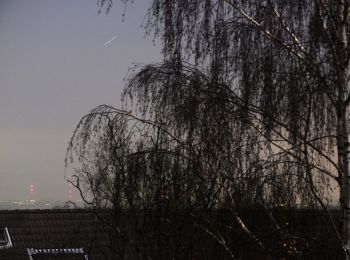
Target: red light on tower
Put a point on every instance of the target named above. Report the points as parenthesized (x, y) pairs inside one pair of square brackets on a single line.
[(31, 192)]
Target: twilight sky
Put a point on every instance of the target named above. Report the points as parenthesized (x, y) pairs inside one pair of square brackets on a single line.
[(54, 68)]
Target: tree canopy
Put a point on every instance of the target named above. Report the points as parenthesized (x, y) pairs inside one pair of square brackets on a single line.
[(250, 106), (256, 80)]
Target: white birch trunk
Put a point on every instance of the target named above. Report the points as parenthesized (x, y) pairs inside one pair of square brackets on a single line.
[(344, 153), (343, 141), (346, 197), (343, 134)]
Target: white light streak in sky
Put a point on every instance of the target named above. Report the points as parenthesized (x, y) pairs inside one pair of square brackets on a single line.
[(113, 38)]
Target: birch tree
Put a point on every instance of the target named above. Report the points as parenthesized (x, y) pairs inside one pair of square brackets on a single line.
[(279, 71), (256, 93)]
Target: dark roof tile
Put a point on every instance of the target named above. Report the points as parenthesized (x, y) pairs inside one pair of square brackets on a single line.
[(51, 229)]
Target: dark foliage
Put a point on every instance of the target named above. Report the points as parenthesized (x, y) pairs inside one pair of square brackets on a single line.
[(249, 109)]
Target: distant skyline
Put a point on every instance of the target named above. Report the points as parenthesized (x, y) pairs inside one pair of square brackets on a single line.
[(55, 67)]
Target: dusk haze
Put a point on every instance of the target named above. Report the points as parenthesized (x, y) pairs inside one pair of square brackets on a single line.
[(55, 67)]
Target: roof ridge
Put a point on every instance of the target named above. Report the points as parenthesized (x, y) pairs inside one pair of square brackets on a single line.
[(9, 211)]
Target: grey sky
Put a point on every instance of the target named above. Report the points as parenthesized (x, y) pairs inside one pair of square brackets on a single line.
[(54, 68)]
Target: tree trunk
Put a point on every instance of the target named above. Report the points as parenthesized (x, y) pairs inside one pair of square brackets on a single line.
[(343, 139), (343, 145), (344, 155)]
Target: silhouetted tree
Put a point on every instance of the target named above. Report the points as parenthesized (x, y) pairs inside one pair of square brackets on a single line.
[(250, 107)]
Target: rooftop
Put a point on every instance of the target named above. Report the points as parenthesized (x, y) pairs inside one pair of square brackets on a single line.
[(53, 230)]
